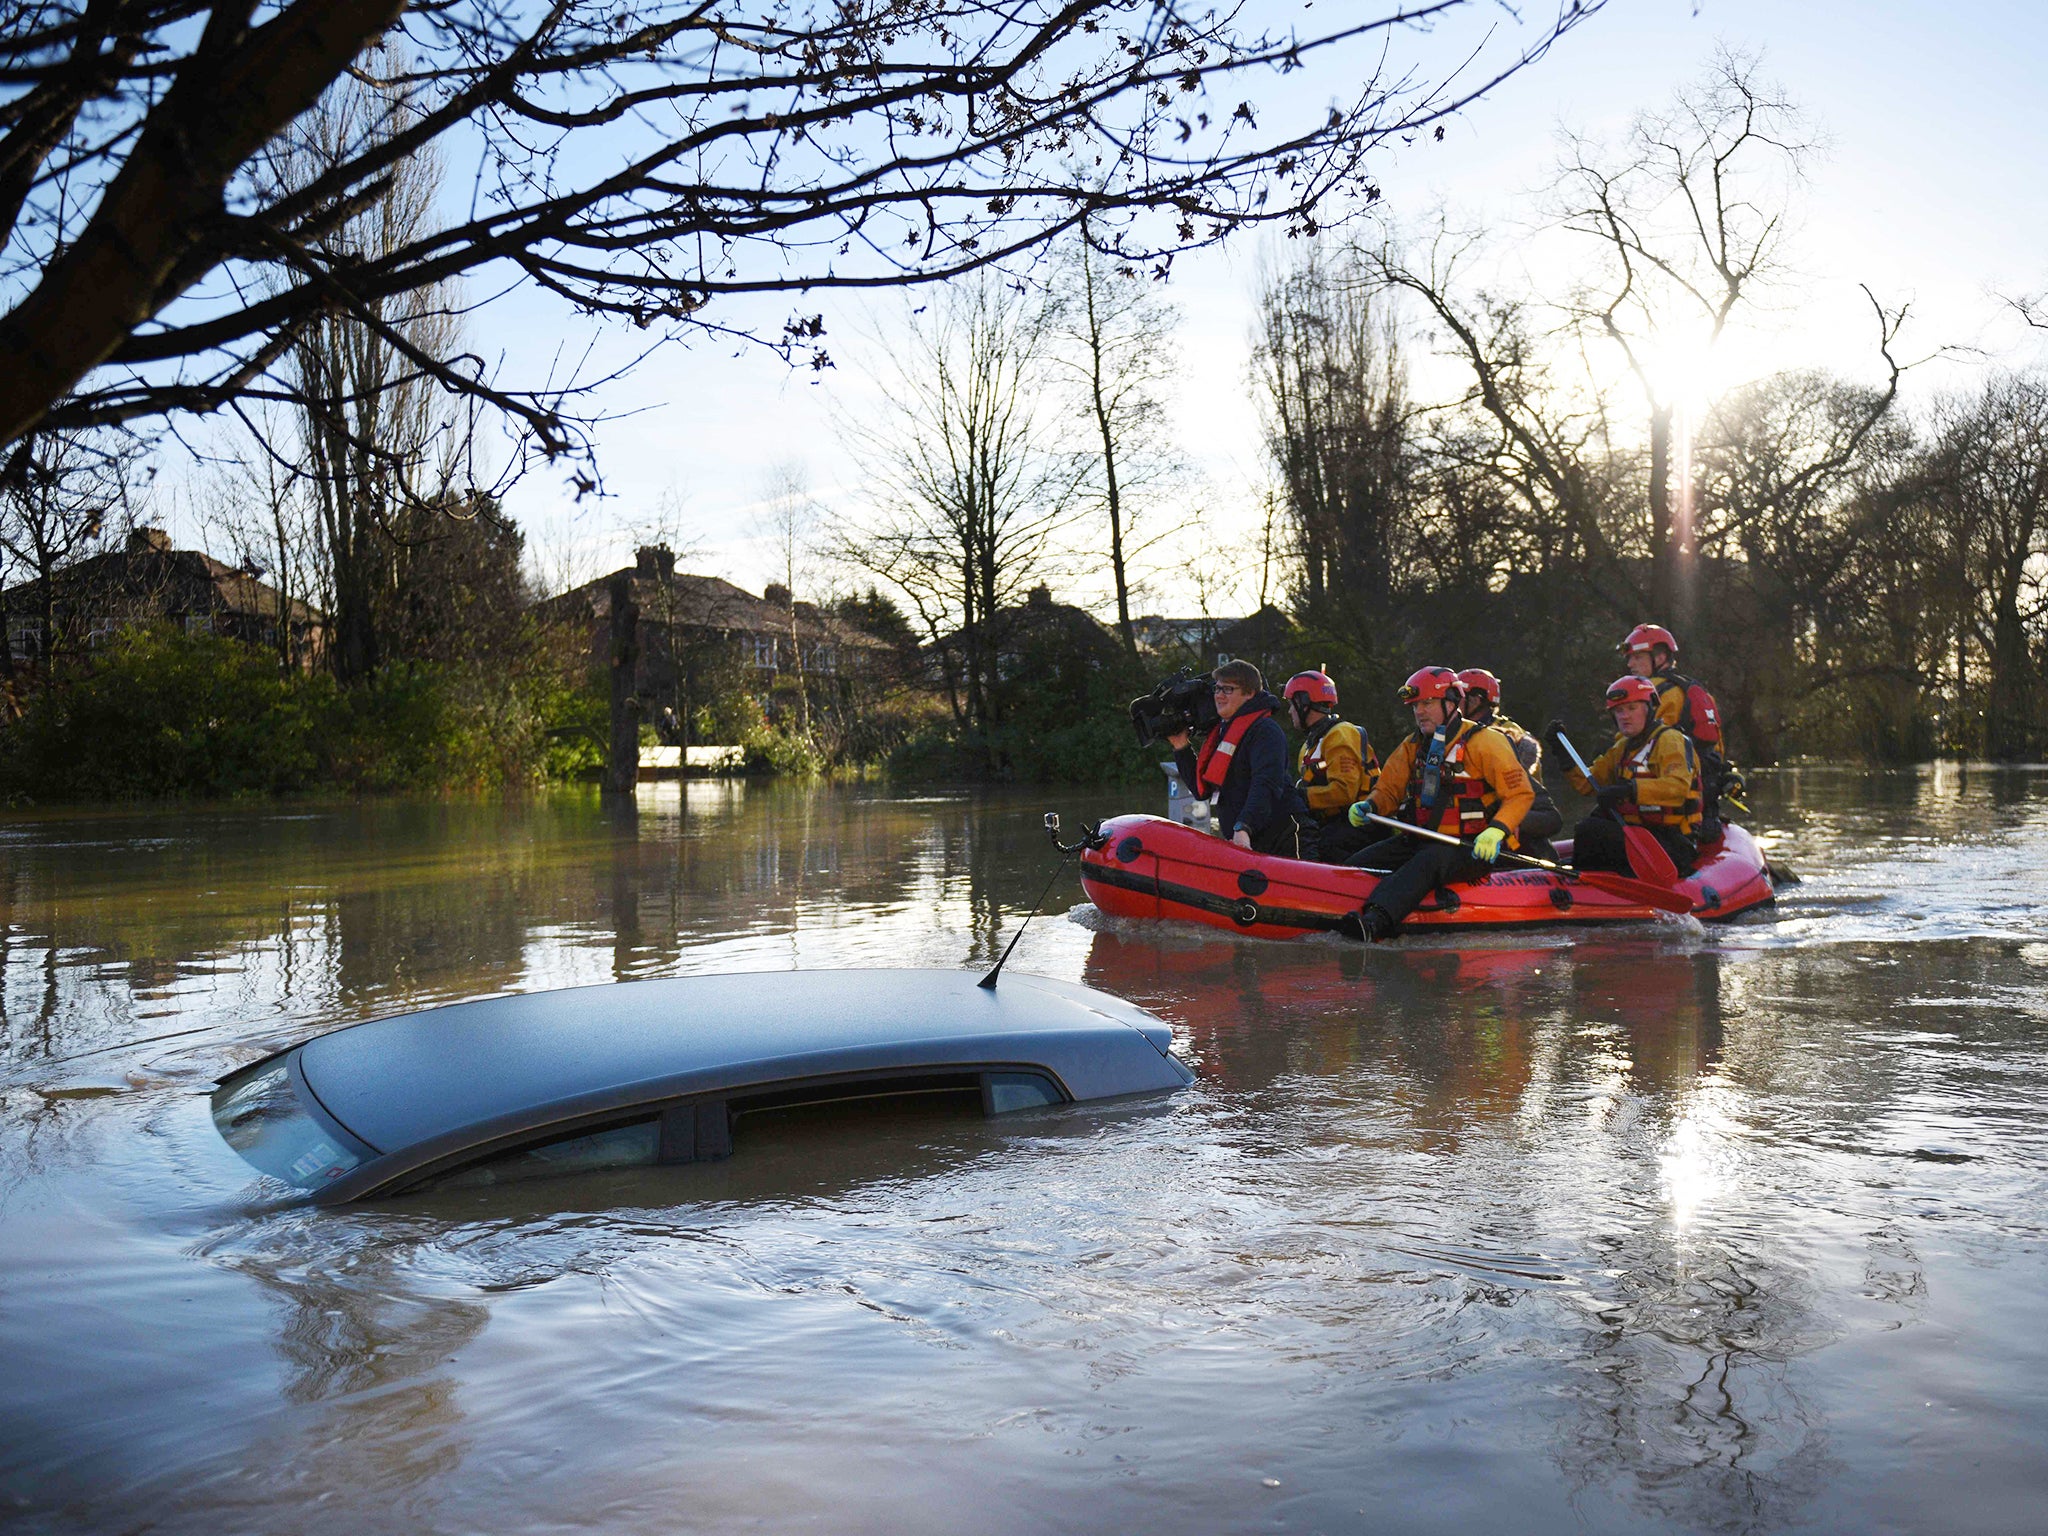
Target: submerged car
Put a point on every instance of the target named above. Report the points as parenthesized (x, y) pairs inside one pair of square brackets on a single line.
[(651, 1072)]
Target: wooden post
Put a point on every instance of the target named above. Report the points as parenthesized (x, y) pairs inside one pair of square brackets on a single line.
[(622, 765)]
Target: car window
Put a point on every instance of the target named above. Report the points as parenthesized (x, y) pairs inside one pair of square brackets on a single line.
[(632, 1145), (260, 1116), (1009, 1091)]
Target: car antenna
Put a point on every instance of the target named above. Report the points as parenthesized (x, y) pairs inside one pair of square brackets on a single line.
[(1092, 838)]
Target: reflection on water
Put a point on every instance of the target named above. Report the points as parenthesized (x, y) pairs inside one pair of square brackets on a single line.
[(1707, 1229)]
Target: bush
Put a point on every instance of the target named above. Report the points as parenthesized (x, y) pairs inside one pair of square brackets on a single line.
[(165, 713), (160, 713), (424, 725), (1066, 720)]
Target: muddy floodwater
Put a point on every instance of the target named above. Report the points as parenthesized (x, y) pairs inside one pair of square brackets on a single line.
[(1734, 1229)]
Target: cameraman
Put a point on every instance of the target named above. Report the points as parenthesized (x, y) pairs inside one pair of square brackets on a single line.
[(1243, 762)]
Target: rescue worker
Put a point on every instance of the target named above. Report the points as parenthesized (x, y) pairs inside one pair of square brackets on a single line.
[(1335, 766), (1482, 703), (1649, 651), (1243, 762), (1452, 775), (1649, 778)]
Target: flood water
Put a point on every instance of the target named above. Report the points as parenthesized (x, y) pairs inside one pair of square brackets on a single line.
[(1725, 1230)]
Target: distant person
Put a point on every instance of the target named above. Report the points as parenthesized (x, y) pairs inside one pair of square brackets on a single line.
[(1243, 762), (1482, 703), (1651, 651), (1453, 775), (1335, 766), (1649, 778), (668, 727)]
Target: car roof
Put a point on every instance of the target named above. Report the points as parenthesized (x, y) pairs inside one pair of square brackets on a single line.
[(426, 1084)]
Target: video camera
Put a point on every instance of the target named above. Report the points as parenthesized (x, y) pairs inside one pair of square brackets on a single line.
[(1182, 703)]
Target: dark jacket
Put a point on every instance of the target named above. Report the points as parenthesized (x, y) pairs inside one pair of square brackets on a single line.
[(1258, 789)]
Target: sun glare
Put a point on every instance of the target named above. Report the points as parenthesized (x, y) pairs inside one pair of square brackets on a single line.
[(1686, 368)]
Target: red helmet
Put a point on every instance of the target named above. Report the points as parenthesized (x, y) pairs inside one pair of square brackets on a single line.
[(1647, 637), (1432, 683), (1311, 689), (1631, 690), (1479, 680)]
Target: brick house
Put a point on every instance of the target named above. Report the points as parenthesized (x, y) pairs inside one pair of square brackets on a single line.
[(147, 581), (692, 628)]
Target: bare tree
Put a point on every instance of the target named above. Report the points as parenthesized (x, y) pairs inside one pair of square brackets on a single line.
[(1333, 391), (266, 507), (1113, 336), (1684, 223), (1989, 477), (964, 477), (59, 494), (639, 159), (1544, 442), (1783, 466), (378, 430), (788, 524)]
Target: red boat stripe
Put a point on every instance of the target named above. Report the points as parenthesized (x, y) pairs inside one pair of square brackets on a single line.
[(1209, 901)]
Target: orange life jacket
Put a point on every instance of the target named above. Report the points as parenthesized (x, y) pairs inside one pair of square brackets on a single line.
[(1684, 818), (1220, 748), (1465, 802), (1312, 767)]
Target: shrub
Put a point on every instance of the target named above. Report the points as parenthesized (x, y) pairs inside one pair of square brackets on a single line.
[(162, 713)]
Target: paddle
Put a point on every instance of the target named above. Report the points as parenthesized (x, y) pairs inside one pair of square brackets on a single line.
[(1646, 856), (1663, 897)]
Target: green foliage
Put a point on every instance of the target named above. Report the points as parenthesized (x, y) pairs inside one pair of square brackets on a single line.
[(1073, 726), (784, 752), (737, 718), (165, 713), (162, 713), (1065, 717), (730, 715), (423, 725)]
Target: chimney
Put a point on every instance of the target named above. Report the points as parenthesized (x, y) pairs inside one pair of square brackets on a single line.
[(145, 541), (776, 595), (1039, 597), (657, 562)]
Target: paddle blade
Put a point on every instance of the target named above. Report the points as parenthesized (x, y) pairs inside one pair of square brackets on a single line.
[(1646, 856), (1664, 898)]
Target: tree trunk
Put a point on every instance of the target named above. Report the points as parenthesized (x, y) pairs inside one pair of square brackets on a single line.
[(796, 660), (622, 765), (1663, 562), (2007, 724), (1116, 519)]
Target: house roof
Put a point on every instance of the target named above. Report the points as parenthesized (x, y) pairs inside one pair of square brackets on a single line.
[(151, 577), (706, 602), (1015, 626)]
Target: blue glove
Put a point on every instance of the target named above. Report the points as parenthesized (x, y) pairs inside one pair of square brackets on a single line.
[(1487, 848), (1360, 810)]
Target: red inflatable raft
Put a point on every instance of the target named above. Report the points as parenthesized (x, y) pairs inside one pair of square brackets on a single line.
[(1151, 867)]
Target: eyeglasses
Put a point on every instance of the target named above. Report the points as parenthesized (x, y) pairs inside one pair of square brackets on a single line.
[(1226, 688)]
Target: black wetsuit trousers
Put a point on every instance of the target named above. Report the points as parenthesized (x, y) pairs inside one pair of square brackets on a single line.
[(1280, 840), (1415, 868), (1336, 840), (1598, 843), (1543, 822)]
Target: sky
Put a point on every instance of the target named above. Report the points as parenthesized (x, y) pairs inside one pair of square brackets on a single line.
[(1926, 191)]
